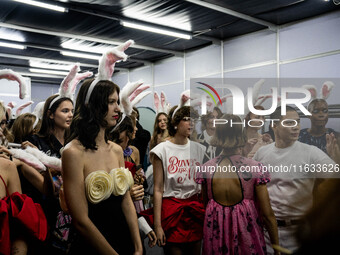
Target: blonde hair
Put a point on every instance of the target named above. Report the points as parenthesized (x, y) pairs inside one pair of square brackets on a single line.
[(2, 110)]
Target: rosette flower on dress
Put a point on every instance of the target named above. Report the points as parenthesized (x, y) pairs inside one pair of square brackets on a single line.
[(122, 180), (99, 186)]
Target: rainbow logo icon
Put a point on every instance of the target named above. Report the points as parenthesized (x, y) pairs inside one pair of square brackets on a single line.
[(209, 93)]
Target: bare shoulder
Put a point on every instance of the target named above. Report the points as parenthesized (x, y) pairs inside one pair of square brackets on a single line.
[(115, 147), (73, 149), (6, 167)]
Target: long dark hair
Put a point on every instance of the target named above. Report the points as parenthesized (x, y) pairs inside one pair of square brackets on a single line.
[(88, 118), (48, 124), (126, 125)]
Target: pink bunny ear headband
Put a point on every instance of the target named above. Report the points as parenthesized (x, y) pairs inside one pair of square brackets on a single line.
[(13, 76), (160, 103), (21, 107), (106, 65), (69, 84)]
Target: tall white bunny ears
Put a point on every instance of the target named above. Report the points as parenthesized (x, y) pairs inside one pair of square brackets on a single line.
[(131, 94), (184, 101), (13, 76), (68, 85), (160, 103), (38, 112), (21, 107), (324, 92), (106, 65)]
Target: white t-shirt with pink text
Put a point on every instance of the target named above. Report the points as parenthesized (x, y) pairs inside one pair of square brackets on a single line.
[(179, 165)]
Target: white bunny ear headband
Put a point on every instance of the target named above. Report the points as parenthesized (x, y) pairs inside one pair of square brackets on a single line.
[(38, 112), (160, 103), (184, 101), (106, 65), (13, 76), (68, 85), (131, 94), (324, 92)]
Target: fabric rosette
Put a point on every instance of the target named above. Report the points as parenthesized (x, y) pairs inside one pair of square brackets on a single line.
[(99, 186), (122, 180)]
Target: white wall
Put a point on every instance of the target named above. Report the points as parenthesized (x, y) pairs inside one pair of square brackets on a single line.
[(308, 49)]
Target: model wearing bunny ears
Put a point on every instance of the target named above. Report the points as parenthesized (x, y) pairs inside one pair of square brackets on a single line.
[(318, 107), (176, 200), (107, 223)]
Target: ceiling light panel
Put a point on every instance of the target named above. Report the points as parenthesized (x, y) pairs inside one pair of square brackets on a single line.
[(155, 30), (43, 5), (12, 45), (148, 11)]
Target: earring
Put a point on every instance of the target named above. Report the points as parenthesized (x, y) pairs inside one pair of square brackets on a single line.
[(175, 127)]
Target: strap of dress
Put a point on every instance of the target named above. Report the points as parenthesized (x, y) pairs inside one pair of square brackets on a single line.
[(7, 193)]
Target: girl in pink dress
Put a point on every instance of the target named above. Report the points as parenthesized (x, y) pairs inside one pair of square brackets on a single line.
[(235, 197)]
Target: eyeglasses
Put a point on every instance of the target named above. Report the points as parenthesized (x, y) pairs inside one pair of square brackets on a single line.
[(3, 122), (189, 119), (320, 110)]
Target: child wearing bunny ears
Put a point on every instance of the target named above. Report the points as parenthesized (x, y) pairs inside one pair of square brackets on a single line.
[(318, 107)]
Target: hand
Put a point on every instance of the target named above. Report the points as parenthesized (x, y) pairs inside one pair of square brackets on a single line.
[(5, 153), (161, 239), (332, 147), (137, 192), (27, 143), (139, 176), (152, 239), (266, 138)]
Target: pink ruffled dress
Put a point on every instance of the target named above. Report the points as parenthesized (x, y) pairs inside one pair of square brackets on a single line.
[(235, 229)]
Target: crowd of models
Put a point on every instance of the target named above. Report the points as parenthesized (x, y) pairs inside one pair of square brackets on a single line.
[(88, 179)]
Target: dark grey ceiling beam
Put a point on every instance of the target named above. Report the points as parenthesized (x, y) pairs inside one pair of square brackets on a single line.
[(218, 8), (127, 19), (58, 49), (87, 38)]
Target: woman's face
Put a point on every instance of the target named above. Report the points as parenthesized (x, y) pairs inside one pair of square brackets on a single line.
[(3, 122), (134, 132), (124, 138), (319, 117), (256, 121), (113, 110), (186, 126), (63, 115), (162, 122)]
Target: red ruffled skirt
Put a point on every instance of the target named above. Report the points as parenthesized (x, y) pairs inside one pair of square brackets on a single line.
[(182, 219), (21, 209)]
